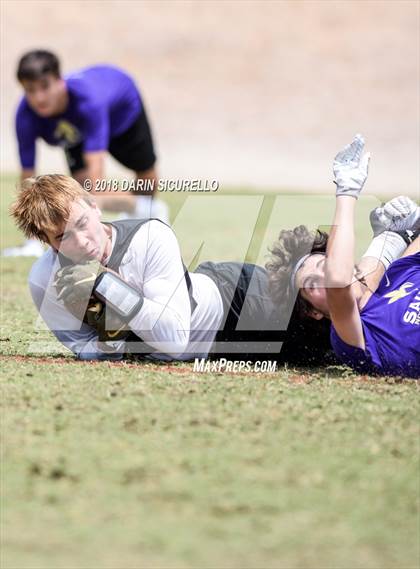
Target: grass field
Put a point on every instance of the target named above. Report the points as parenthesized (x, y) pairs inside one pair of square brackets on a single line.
[(137, 466)]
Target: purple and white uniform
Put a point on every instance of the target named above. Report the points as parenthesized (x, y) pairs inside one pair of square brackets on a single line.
[(103, 103), (391, 325)]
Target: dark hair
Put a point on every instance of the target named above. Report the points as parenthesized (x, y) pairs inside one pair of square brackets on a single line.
[(36, 64), (308, 340), (290, 246)]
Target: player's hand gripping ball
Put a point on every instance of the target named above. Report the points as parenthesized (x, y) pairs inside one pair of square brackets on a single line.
[(398, 214), (74, 285), (106, 322)]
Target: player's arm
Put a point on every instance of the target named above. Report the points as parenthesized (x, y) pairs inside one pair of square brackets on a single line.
[(371, 271), (26, 135), (95, 130), (350, 173), (94, 172), (96, 140), (165, 317), (95, 166), (413, 248), (342, 302)]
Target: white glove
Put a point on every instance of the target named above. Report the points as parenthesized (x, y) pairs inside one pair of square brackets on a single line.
[(351, 169), (399, 214)]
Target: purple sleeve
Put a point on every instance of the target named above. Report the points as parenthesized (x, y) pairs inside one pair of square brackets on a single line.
[(26, 134), (96, 129)]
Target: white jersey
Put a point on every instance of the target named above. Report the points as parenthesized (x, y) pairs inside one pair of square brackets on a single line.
[(152, 264)]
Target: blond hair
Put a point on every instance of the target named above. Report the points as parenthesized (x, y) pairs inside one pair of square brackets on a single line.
[(44, 202)]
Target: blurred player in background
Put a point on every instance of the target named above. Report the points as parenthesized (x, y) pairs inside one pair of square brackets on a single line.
[(88, 113)]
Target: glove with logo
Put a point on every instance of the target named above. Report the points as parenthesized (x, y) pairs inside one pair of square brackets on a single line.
[(74, 285), (106, 322), (400, 215), (351, 168)]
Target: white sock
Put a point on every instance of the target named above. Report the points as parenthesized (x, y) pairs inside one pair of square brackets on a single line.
[(143, 207), (146, 207), (160, 210)]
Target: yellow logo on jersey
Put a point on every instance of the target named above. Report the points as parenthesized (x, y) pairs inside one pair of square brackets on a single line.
[(399, 293), (67, 132)]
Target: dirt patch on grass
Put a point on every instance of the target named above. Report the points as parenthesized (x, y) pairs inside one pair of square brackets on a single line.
[(72, 361), (175, 368)]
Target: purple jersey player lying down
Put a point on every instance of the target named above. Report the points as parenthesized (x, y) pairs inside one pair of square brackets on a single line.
[(374, 307)]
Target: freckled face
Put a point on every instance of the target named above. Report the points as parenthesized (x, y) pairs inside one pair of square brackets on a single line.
[(310, 279)]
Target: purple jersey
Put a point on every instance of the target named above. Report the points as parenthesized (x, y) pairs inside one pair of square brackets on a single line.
[(103, 103), (391, 325)]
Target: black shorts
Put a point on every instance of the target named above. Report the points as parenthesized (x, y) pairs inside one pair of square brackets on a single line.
[(251, 319), (133, 148)]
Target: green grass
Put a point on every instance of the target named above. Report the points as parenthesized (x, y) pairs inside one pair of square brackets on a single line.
[(129, 466)]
